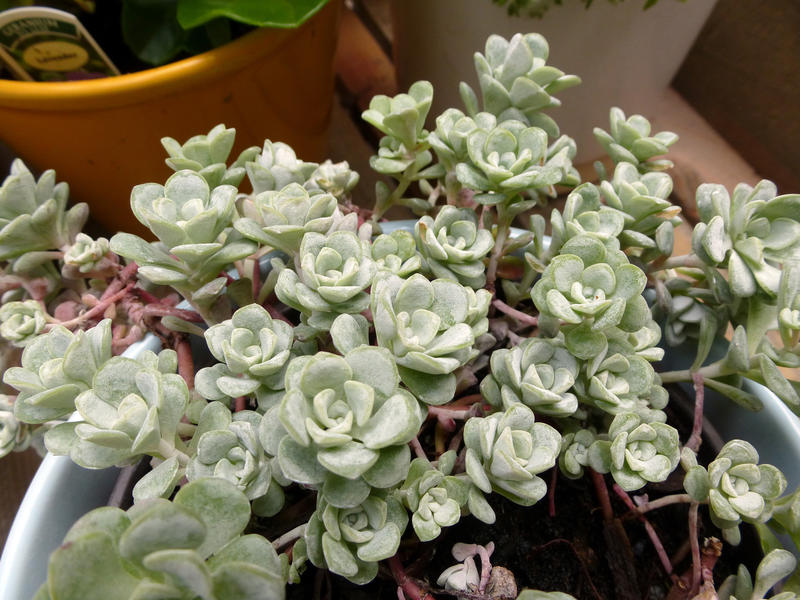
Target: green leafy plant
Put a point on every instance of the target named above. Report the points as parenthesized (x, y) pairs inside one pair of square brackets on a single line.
[(330, 347)]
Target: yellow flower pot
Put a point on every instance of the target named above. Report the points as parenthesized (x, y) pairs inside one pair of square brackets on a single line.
[(103, 136)]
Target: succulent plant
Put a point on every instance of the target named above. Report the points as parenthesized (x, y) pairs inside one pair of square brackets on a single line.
[(87, 256), (11, 430), (207, 155), (333, 273), (396, 253), (276, 167), (428, 327), (228, 447), (348, 424), (254, 349), (449, 139), (516, 82), (336, 179), (736, 487), (630, 141), (436, 498), (34, 215), (351, 541), (590, 290), (540, 373), (775, 565), (750, 234), (506, 451), (21, 322), (403, 116), (188, 548), (575, 452), (510, 158), (55, 368), (281, 218), (453, 245), (636, 452), (132, 409)]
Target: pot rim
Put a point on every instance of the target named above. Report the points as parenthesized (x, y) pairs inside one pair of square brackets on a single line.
[(155, 82)]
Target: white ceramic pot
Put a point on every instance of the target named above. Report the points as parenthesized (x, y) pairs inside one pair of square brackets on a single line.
[(625, 56)]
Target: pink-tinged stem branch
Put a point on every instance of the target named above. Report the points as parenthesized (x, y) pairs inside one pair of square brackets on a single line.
[(551, 493), (696, 566), (160, 310), (276, 314), (409, 587), (518, 315), (697, 428), (651, 532), (239, 404), (99, 308), (417, 447), (122, 279), (185, 362), (661, 502), (602, 494)]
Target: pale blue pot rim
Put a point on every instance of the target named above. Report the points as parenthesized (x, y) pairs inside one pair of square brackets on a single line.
[(61, 492)]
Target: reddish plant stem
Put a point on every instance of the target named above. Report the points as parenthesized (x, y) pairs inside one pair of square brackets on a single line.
[(99, 308), (122, 279), (148, 297), (661, 502), (697, 428), (156, 310), (651, 532), (185, 361), (465, 400), (276, 314), (455, 441), (239, 404), (551, 493), (696, 566), (417, 447), (408, 586), (228, 279), (520, 316), (602, 494)]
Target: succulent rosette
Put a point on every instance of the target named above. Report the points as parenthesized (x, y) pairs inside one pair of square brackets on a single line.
[(207, 155), (87, 256), (636, 452), (34, 215), (630, 141), (132, 408), (192, 547), (254, 350), (449, 139), (430, 328), (507, 450), (510, 158), (396, 253), (736, 487), (228, 447), (351, 541), (281, 218), (402, 116), (336, 179), (333, 273), (590, 290), (276, 166), (55, 368), (574, 455), (516, 81), (540, 373), (453, 245), (21, 322), (750, 234), (10, 427), (348, 423)]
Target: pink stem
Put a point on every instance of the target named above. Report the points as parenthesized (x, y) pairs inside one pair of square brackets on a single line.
[(99, 309), (651, 533), (697, 428), (156, 310), (696, 567), (647, 506), (127, 273), (239, 404), (407, 585), (185, 362), (520, 316), (602, 494), (418, 448), (552, 493)]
